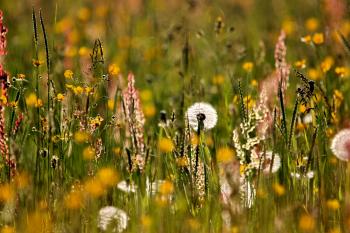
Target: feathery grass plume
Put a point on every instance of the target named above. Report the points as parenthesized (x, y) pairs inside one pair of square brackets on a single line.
[(281, 65), (4, 149), (136, 120), (276, 84), (246, 142), (3, 31)]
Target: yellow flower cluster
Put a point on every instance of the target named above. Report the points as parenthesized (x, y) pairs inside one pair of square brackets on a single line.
[(165, 145), (33, 101), (79, 90)]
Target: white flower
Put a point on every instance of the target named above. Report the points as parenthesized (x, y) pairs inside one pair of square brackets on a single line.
[(126, 187), (202, 111), (308, 175), (113, 218), (307, 118), (264, 161), (268, 160), (341, 145)]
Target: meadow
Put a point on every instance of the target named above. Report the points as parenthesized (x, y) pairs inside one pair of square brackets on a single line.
[(174, 116)]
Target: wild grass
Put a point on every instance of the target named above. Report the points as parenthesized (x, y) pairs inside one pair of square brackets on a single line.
[(178, 116)]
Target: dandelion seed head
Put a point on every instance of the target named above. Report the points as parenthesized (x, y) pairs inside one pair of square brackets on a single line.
[(340, 145), (111, 214), (202, 112)]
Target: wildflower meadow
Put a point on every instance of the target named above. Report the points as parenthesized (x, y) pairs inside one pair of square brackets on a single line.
[(175, 116)]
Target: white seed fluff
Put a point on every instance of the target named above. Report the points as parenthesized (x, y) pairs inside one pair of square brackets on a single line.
[(207, 110), (341, 145), (113, 218)]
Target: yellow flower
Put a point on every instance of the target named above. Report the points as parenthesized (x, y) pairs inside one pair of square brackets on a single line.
[(242, 169), (96, 121), (32, 100), (248, 66), (3, 99), (14, 104), (101, 11), (249, 102), (166, 187), (22, 180), (194, 140), (335, 118), (330, 132), (108, 177), (341, 71), (333, 204), (146, 95), (84, 14), (117, 151), (279, 189), (218, 79), (113, 69), (312, 24), (39, 103), (288, 26), (307, 223), (89, 153), (64, 24), (81, 136), (84, 51), (73, 200), (68, 74), (301, 64), (94, 187), (335, 230), (165, 145), (302, 108), (254, 83), (149, 110), (69, 86), (225, 155), (60, 97), (70, 51), (110, 104), (194, 224), (234, 229), (209, 141), (78, 90), (318, 38), (314, 74), (89, 90), (326, 64), (306, 39), (338, 98), (38, 221), (300, 126), (146, 221), (7, 193), (8, 229), (182, 161)]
